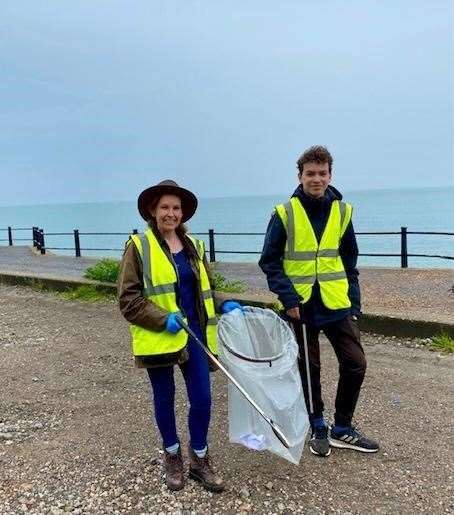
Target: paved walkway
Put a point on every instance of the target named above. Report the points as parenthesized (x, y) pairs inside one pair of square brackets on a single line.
[(24, 260), (417, 294)]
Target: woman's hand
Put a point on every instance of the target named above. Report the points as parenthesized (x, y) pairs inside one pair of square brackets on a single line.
[(172, 324)]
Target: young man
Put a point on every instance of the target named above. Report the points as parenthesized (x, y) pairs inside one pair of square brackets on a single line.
[(309, 257)]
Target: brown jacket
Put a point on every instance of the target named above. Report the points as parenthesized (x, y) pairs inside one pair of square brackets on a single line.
[(140, 311)]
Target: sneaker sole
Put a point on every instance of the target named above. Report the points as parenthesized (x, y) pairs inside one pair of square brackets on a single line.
[(318, 454), (175, 488), (341, 445), (207, 486)]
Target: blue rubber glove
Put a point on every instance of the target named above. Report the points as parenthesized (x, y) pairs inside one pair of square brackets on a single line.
[(172, 324), (230, 305)]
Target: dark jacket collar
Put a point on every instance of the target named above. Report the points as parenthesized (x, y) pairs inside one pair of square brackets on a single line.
[(317, 204)]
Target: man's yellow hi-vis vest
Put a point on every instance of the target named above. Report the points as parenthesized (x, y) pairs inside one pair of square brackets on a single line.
[(305, 260), (160, 283)]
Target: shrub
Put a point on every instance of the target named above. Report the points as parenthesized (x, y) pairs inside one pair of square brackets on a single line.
[(106, 270), (221, 284)]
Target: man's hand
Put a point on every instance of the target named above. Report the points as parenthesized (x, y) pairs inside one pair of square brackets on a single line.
[(294, 313)]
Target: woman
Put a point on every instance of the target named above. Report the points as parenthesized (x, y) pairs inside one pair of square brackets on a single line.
[(164, 274)]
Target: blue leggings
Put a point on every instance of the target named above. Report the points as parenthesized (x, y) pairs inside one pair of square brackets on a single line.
[(197, 378)]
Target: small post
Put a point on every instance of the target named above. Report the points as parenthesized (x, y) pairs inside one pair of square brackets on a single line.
[(10, 236), (41, 241), (37, 239), (77, 242), (211, 246), (403, 248), (35, 236)]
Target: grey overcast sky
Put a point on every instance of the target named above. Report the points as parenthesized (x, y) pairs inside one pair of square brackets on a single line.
[(101, 98)]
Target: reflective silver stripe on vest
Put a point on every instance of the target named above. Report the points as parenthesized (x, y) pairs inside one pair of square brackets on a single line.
[(212, 321), (302, 279), (207, 294), (328, 253), (162, 288), (147, 287), (310, 279), (343, 212), (201, 251), (309, 255), (300, 255), (290, 227), (332, 276)]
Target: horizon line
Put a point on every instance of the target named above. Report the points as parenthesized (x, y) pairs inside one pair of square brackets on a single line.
[(362, 190)]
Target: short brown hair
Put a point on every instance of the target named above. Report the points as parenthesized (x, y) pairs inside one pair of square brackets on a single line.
[(318, 154)]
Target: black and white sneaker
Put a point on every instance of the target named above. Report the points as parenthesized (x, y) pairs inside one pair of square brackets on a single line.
[(351, 438), (319, 444)]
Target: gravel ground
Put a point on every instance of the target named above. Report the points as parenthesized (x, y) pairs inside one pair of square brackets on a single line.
[(76, 430)]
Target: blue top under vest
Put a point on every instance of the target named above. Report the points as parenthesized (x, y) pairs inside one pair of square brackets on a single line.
[(188, 291)]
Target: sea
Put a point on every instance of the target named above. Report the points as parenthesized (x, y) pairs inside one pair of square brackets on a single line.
[(426, 210)]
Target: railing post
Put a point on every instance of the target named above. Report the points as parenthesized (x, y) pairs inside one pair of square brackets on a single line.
[(41, 241), (211, 246), (37, 239), (403, 248), (77, 242), (35, 236), (10, 236)]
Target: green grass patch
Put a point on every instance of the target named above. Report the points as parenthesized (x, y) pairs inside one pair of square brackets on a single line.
[(37, 285), (86, 293), (222, 284), (443, 342), (106, 270)]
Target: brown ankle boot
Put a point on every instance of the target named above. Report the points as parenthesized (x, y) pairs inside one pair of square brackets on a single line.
[(174, 470), (201, 470)]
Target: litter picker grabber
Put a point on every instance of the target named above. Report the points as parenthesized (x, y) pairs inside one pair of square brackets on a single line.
[(299, 328), (276, 429), (308, 370)]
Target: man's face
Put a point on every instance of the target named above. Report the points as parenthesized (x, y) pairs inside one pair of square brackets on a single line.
[(315, 178)]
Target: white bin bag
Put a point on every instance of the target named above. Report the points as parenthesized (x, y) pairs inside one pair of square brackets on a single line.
[(260, 351)]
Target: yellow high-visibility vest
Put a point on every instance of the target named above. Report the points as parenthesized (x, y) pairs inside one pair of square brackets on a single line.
[(160, 283), (305, 260)]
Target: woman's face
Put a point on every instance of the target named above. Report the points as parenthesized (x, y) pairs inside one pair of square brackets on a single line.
[(168, 213)]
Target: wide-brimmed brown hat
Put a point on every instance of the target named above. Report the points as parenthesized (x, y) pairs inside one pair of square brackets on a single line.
[(167, 187)]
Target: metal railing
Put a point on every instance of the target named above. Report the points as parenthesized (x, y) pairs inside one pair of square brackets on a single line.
[(39, 236), (9, 231)]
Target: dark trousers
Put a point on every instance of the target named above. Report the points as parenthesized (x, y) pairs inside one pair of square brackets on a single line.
[(344, 336)]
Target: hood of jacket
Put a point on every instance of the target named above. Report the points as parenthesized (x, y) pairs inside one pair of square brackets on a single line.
[(312, 204)]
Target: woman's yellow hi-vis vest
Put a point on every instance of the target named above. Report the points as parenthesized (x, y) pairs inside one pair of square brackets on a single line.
[(160, 282), (306, 261)]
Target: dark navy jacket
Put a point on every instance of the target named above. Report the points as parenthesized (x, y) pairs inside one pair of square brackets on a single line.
[(271, 261)]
